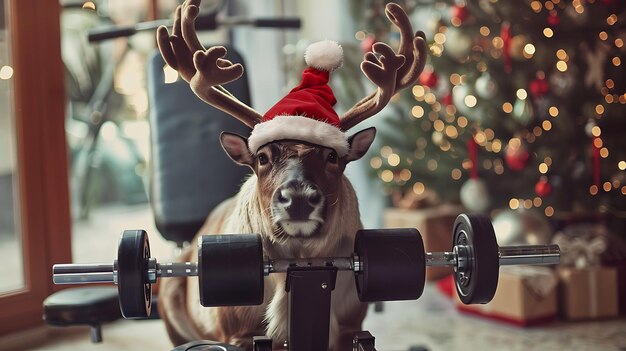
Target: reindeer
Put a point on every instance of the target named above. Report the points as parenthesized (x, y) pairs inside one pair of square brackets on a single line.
[(297, 198)]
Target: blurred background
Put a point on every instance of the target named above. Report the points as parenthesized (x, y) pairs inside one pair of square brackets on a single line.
[(519, 114)]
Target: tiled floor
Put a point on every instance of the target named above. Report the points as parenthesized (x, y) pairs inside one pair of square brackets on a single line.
[(430, 322)]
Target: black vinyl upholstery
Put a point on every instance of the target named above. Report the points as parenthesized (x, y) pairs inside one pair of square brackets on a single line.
[(191, 174)]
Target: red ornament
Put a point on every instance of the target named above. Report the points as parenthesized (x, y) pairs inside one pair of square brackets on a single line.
[(543, 187), (553, 19), (428, 79), (516, 158), (539, 87), (459, 12), (608, 2), (367, 42), (447, 99)]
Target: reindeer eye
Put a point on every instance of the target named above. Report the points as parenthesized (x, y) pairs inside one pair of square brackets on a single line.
[(332, 157), (262, 159)]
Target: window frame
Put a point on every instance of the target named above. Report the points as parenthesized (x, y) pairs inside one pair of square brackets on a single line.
[(43, 200)]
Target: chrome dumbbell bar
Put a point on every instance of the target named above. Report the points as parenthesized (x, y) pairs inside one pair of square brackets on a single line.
[(107, 273), (508, 256)]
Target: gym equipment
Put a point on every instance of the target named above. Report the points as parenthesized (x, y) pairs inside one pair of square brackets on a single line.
[(389, 264)]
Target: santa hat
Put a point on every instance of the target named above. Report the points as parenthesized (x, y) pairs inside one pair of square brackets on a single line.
[(306, 113)]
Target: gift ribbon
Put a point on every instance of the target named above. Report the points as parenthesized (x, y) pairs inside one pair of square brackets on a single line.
[(580, 252)]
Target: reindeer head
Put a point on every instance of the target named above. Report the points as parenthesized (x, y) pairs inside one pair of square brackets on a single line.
[(298, 149)]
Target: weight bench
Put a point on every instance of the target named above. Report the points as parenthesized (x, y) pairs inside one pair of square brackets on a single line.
[(388, 265)]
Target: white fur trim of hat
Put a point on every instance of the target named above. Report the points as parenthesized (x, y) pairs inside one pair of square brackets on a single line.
[(299, 128)]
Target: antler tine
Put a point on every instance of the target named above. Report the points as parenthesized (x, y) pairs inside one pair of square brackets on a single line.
[(204, 70), (396, 75), (174, 49), (412, 46)]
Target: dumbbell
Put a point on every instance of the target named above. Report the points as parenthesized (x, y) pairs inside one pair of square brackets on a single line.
[(389, 264)]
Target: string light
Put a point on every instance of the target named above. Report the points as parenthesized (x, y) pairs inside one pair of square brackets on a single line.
[(528, 203), (593, 190), (431, 165), (553, 111), (607, 186), (440, 38), (418, 91), (514, 204), (417, 111), (619, 42), (484, 31), (548, 33), (621, 165), (561, 66), (537, 201), (462, 121), (6, 72), (470, 101), (546, 125), (521, 94), (599, 109), (612, 19), (405, 175), (603, 36), (393, 160), (376, 162), (536, 6), (456, 174), (507, 107), (549, 211), (604, 152), (529, 51), (89, 5), (616, 61), (418, 188), (385, 151), (386, 176)]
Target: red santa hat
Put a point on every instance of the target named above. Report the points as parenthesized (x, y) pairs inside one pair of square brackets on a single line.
[(306, 113)]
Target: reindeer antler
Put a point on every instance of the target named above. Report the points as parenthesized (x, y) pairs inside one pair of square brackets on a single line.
[(204, 70), (391, 72)]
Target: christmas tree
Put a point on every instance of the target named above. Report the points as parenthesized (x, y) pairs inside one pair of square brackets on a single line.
[(521, 105)]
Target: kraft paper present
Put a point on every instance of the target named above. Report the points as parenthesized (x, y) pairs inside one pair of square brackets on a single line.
[(526, 295), (590, 293), (435, 226)]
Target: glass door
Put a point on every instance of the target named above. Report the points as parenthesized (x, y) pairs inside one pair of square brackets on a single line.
[(34, 205), (10, 235)]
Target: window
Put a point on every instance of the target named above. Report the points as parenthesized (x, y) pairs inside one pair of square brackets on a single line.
[(34, 166)]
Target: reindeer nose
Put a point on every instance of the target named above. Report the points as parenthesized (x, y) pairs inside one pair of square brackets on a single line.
[(298, 199)]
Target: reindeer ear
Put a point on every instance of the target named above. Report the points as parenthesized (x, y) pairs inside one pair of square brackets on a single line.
[(360, 143), (236, 147)]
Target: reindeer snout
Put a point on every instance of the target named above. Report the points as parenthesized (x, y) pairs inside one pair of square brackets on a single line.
[(298, 200)]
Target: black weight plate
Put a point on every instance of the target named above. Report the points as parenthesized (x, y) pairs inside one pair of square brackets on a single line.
[(393, 264), (484, 262), (135, 291), (230, 270)]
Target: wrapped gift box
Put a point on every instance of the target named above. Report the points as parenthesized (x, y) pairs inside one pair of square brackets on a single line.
[(589, 293), (435, 226), (526, 295)]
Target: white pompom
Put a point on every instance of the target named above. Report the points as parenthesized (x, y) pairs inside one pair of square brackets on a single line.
[(325, 55)]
